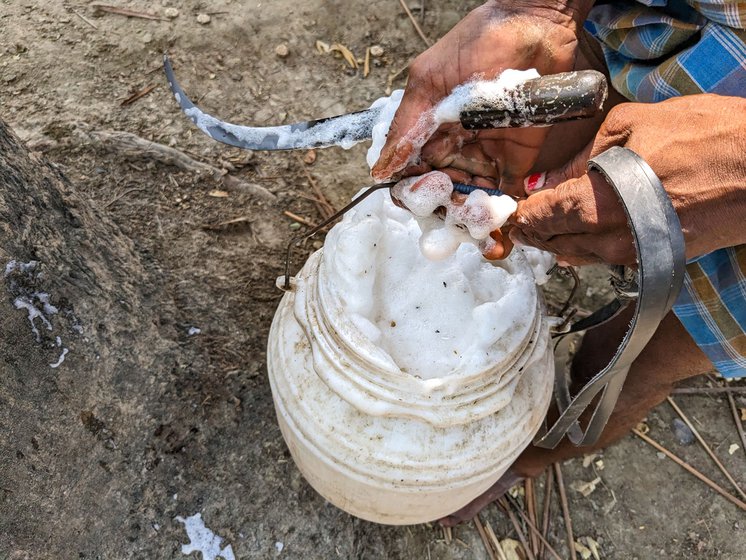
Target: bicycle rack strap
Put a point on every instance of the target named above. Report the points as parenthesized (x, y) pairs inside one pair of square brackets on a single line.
[(661, 258)]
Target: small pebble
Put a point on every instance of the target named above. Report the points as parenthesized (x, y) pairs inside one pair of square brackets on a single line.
[(147, 38), (376, 50), (204, 19), (282, 50), (171, 13), (310, 157), (683, 433)]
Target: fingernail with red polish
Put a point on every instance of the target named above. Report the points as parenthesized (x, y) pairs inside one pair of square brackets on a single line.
[(534, 182)]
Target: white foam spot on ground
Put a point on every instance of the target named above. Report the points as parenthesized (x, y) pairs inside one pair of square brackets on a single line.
[(61, 359), (203, 540), (193, 330), (33, 314)]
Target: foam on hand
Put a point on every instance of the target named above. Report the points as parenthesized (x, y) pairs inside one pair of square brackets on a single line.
[(460, 220), (503, 91)]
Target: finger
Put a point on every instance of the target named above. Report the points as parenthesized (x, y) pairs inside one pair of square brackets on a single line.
[(576, 249), (566, 209), (445, 143), (399, 147), (500, 248), (573, 169), (518, 152), (610, 134)]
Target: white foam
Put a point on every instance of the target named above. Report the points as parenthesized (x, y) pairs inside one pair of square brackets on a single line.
[(203, 539), (463, 221), (465, 311), (388, 106), (33, 314), (61, 359), (540, 262)]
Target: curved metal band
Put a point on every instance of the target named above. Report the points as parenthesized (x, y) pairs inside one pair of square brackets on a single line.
[(661, 258)]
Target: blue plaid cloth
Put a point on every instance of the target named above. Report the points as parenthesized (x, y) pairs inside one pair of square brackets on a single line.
[(657, 49)]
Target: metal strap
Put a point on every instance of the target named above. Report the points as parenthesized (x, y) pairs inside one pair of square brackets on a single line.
[(659, 243)]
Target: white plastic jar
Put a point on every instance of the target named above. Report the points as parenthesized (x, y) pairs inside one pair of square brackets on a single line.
[(405, 388)]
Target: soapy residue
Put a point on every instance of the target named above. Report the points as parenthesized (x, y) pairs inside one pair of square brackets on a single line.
[(37, 305), (431, 318), (202, 539)]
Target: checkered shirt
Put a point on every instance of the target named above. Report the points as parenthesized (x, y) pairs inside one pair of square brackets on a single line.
[(656, 49)]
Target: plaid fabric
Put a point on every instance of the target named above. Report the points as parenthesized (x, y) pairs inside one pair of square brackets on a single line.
[(656, 49)]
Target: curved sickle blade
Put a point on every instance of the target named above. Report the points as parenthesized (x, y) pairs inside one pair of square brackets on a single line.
[(343, 130)]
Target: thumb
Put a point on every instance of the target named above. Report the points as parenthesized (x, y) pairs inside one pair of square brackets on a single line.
[(405, 132), (573, 169)]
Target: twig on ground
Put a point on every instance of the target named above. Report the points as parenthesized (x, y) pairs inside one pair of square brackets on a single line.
[(485, 539), (707, 390), (690, 469), (299, 219), (414, 23), (126, 12), (534, 529), (447, 535), (138, 94), (132, 147), (737, 420), (366, 63), (89, 22), (122, 195), (565, 511), (528, 486), (517, 526), (323, 205), (422, 11), (495, 541), (223, 225), (706, 447), (547, 505)]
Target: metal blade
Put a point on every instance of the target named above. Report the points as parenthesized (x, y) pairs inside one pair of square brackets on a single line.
[(343, 130)]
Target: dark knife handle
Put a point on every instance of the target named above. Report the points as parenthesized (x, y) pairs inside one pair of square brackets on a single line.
[(540, 101)]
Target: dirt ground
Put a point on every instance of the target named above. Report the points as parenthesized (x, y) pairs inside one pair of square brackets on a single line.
[(66, 69)]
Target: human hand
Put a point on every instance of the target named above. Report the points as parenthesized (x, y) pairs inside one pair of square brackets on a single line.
[(496, 36), (696, 146)]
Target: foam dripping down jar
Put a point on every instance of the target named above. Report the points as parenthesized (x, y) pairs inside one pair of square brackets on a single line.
[(404, 388)]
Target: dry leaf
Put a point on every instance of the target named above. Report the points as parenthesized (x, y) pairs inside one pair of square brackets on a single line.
[(322, 47), (218, 194), (512, 549), (310, 157), (346, 54), (643, 428), (599, 464), (588, 459), (585, 488), (517, 490), (592, 545), (743, 414), (733, 448), (584, 551)]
